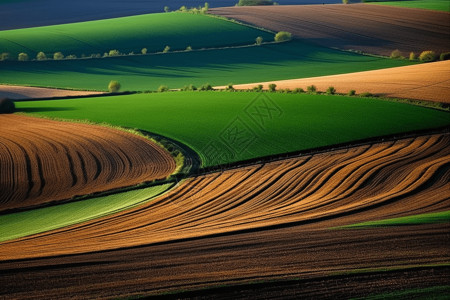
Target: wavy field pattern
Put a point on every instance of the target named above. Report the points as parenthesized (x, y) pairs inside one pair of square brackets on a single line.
[(43, 160), (364, 183)]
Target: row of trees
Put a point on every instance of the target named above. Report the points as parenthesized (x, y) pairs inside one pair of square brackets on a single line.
[(425, 56)]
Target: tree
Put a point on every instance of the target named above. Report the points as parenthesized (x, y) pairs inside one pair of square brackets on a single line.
[(206, 7), (396, 54), (41, 56), (114, 86), (114, 52), (427, 56), (283, 36), (311, 88), (166, 49), (331, 90), (163, 88), (259, 40), (58, 56), (6, 106), (345, 1), (272, 87), (23, 56), (5, 56), (166, 9), (412, 56), (188, 48), (144, 51)]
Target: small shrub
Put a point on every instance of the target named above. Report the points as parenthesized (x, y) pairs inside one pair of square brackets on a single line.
[(5, 56), (206, 87), (287, 91), (23, 56), (7, 106), (144, 51), (192, 87), (351, 93), (311, 89), (166, 49), (396, 54), (114, 86), (113, 52), (41, 56), (272, 87), (331, 90), (229, 87), (412, 56), (259, 40), (73, 56), (366, 94), (97, 55), (166, 9), (299, 90), (427, 56), (183, 9), (444, 56), (345, 1), (58, 56), (163, 88), (283, 36), (188, 48), (105, 54)]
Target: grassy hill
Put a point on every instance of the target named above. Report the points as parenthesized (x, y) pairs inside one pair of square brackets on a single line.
[(289, 60), (232, 126), (129, 34)]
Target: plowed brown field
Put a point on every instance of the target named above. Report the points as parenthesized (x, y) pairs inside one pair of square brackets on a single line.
[(364, 183), (429, 82), (368, 28), (26, 92), (43, 160), (263, 222)]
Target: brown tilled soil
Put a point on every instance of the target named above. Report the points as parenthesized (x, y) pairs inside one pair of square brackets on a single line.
[(429, 82), (43, 160), (26, 92), (263, 222), (372, 29)]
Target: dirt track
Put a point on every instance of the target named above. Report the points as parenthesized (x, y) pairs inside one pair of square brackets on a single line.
[(43, 160), (216, 227), (372, 29), (429, 82), (26, 92)]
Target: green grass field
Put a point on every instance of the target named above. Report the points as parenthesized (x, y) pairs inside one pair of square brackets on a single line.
[(430, 218), (441, 5), (127, 34), (294, 59), (34, 221), (232, 126)]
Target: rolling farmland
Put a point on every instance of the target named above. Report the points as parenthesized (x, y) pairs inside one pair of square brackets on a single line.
[(290, 122), (44, 161), (372, 29), (166, 191)]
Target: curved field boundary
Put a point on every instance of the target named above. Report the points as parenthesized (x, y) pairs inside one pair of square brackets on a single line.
[(367, 28), (26, 92), (42, 161), (429, 82), (372, 182)]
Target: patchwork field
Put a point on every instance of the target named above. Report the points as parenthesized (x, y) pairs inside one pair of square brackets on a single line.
[(26, 92), (300, 197), (267, 123), (372, 29), (44, 161), (429, 82)]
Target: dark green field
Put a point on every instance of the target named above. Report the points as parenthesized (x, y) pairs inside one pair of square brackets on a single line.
[(289, 60)]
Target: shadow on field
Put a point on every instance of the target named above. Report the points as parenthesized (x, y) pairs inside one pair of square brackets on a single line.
[(42, 109)]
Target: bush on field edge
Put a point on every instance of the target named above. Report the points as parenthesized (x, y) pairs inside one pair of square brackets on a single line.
[(7, 106)]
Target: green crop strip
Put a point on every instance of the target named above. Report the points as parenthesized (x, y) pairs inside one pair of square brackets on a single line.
[(228, 127), (429, 218), (441, 5), (20, 224)]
